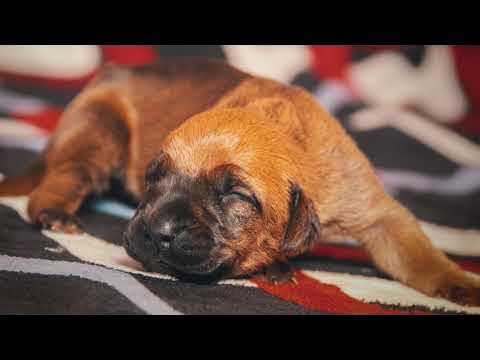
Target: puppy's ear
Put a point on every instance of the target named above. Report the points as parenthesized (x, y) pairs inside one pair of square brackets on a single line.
[(303, 226)]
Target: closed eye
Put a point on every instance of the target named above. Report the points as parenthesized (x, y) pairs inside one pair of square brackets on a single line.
[(231, 187), (242, 194)]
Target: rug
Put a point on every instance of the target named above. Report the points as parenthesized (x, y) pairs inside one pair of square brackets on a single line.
[(430, 166)]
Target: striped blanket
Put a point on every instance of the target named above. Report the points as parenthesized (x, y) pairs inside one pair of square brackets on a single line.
[(428, 167)]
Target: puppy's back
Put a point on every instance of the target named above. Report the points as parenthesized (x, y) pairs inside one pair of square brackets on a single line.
[(148, 102)]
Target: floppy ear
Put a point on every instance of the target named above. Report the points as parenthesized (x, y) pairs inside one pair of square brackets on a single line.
[(303, 226)]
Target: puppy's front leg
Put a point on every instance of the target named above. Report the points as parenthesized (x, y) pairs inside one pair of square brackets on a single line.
[(78, 162), (53, 203), (279, 272), (399, 247)]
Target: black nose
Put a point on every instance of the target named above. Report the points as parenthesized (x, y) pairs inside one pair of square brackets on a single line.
[(169, 221)]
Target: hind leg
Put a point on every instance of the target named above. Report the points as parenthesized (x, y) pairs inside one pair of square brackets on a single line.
[(399, 247), (391, 234), (80, 163)]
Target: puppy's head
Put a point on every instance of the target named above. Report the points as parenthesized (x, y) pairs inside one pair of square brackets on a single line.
[(222, 199)]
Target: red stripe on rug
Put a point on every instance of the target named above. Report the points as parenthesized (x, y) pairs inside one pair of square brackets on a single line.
[(468, 265), (357, 254), (47, 119), (51, 82), (341, 253), (130, 54), (330, 61), (315, 295)]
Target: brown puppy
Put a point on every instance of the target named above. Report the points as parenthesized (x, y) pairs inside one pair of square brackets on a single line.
[(234, 174)]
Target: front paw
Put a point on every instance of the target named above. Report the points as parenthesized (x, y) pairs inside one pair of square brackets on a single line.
[(59, 221), (279, 273), (463, 291)]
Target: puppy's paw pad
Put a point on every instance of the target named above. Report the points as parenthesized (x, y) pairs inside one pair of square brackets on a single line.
[(58, 221)]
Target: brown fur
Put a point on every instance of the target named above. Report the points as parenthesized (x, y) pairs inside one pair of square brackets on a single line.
[(205, 114)]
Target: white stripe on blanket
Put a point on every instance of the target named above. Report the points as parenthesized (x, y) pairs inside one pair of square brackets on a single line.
[(462, 182), (62, 62), (127, 285), (13, 101), (439, 138), (21, 135), (376, 290)]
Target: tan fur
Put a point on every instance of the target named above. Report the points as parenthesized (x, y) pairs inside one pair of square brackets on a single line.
[(205, 114)]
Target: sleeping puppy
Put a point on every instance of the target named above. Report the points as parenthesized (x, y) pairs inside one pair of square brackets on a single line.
[(234, 174)]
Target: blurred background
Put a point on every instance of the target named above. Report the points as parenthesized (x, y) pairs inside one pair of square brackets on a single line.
[(413, 109)]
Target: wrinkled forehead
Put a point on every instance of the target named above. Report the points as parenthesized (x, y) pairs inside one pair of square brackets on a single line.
[(196, 156), (212, 139), (203, 157)]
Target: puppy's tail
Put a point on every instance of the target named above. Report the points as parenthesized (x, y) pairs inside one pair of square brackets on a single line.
[(23, 184)]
